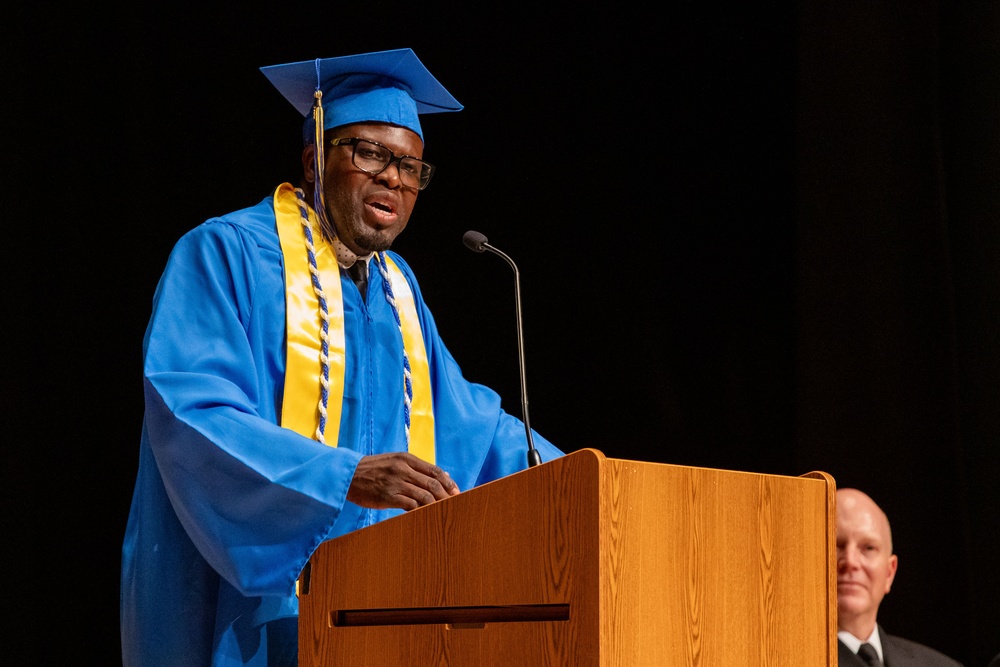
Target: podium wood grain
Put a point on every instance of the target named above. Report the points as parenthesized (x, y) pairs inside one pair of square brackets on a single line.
[(586, 561)]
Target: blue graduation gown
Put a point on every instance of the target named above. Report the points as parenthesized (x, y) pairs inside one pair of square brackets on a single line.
[(228, 505)]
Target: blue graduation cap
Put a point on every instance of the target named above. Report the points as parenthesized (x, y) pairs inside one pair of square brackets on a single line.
[(383, 86)]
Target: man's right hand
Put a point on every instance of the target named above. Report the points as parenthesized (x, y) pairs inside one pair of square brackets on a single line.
[(399, 480)]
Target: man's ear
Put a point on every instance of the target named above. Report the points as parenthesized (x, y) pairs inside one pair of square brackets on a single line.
[(309, 163), (891, 574)]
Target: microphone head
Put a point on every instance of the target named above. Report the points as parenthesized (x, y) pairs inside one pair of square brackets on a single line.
[(474, 241)]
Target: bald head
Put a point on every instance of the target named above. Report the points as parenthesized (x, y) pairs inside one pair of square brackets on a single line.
[(866, 565), (852, 502)]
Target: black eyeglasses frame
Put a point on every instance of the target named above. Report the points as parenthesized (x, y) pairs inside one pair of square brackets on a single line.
[(393, 159)]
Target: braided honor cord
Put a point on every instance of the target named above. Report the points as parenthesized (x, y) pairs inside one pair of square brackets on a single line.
[(324, 315), (407, 377)]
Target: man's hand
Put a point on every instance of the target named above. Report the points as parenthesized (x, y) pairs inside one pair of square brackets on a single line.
[(399, 479)]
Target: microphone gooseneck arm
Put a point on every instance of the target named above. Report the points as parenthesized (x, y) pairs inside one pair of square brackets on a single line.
[(477, 243)]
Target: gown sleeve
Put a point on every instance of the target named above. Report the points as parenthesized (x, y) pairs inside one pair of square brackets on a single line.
[(255, 498)]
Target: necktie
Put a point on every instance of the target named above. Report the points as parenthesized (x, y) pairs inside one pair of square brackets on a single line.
[(359, 274), (869, 655)]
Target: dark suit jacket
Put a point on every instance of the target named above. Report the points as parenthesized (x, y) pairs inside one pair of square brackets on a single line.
[(898, 652)]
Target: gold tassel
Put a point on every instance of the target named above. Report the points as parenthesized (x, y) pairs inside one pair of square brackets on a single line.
[(319, 197)]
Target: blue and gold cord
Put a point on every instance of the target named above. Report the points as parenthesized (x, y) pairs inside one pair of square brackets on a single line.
[(407, 375), (324, 314)]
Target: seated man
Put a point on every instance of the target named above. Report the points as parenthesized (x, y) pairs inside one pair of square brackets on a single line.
[(866, 568)]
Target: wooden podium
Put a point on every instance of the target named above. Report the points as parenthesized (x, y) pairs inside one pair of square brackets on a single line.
[(586, 561)]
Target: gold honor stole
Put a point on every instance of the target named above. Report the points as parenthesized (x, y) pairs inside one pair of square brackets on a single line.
[(303, 365)]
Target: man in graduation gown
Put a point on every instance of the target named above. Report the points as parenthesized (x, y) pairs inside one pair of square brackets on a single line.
[(284, 404)]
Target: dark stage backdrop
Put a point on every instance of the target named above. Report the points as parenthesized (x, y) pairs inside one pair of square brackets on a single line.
[(752, 236)]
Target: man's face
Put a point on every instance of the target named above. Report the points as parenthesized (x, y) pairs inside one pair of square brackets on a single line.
[(866, 565), (369, 211)]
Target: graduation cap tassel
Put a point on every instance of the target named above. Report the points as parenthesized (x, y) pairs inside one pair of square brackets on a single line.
[(319, 200)]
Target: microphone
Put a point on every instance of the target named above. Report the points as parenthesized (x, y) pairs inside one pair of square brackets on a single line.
[(477, 243)]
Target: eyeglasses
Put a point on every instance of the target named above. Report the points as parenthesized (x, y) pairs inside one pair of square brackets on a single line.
[(373, 158)]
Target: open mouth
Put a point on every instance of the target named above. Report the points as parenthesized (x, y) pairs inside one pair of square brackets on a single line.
[(381, 213)]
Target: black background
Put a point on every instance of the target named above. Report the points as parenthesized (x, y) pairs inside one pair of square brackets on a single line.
[(751, 236)]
